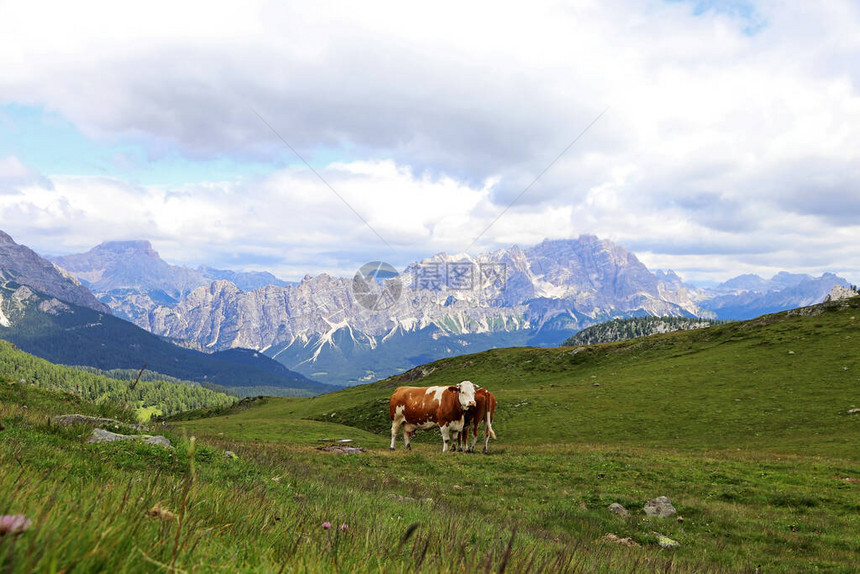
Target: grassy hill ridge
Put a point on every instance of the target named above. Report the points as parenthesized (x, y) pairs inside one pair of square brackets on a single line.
[(623, 329)]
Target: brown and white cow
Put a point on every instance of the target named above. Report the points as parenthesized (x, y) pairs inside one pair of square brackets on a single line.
[(485, 409), (427, 407)]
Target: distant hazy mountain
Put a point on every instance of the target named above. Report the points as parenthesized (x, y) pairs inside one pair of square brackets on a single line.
[(244, 280), (131, 278), (50, 315), (749, 296)]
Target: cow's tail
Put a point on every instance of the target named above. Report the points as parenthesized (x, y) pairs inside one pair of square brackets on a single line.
[(490, 424)]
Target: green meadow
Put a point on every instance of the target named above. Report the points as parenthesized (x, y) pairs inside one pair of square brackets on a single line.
[(749, 428)]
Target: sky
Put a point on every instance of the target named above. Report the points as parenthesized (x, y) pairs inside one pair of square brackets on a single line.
[(711, 138)]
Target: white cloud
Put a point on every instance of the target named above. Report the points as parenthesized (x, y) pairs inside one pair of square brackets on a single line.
[(728, 144), (14, 173)]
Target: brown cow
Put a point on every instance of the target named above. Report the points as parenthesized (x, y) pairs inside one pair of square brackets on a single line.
[(427, 407), (485, 410)]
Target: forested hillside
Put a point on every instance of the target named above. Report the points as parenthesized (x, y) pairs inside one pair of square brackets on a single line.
[(67, 334), (623, 329), (147, 396)]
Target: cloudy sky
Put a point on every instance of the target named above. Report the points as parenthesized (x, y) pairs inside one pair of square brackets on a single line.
[(713, 138)]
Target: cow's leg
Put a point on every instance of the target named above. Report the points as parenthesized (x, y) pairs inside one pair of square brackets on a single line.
[(395, 426), (460, 434), (474, 437), (488, 432), (446, 437)]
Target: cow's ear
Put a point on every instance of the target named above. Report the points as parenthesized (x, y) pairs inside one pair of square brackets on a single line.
[(455, 389)]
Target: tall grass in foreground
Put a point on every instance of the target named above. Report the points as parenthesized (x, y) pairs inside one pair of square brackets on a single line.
[(134, 526), (129, 507)]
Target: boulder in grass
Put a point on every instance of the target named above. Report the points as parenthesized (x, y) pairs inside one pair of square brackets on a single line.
[(664, 541), (615, 539), (101, 435), (75, 419), (660, 507), (618, 509)]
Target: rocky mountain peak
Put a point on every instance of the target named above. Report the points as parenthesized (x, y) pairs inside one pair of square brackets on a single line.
[(589, 264), (21, 265), (132, 248), (746, 282), (669, 277), (840, 292)]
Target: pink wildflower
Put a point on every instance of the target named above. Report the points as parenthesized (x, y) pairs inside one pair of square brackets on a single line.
[(14, 524), (326, 525), (344, 527)]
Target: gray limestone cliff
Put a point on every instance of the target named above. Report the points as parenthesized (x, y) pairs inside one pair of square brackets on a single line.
[(21, 265)]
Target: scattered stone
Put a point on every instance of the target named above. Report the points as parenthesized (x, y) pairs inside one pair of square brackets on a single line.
[(341, 449), (618, 509), (853, 411), (230, 454), (791, 352), (847, 479), (76, 419), (660, 507), (629, 542), (664, 541), (101, 435), (596, 385)]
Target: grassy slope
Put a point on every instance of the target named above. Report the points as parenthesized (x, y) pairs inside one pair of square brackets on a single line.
[(780, 384), (152, 396), (664, 421)]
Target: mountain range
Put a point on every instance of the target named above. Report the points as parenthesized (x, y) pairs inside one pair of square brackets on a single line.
[(351, 330)]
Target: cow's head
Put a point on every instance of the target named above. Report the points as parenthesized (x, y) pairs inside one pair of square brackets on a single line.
[(467, 394)]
